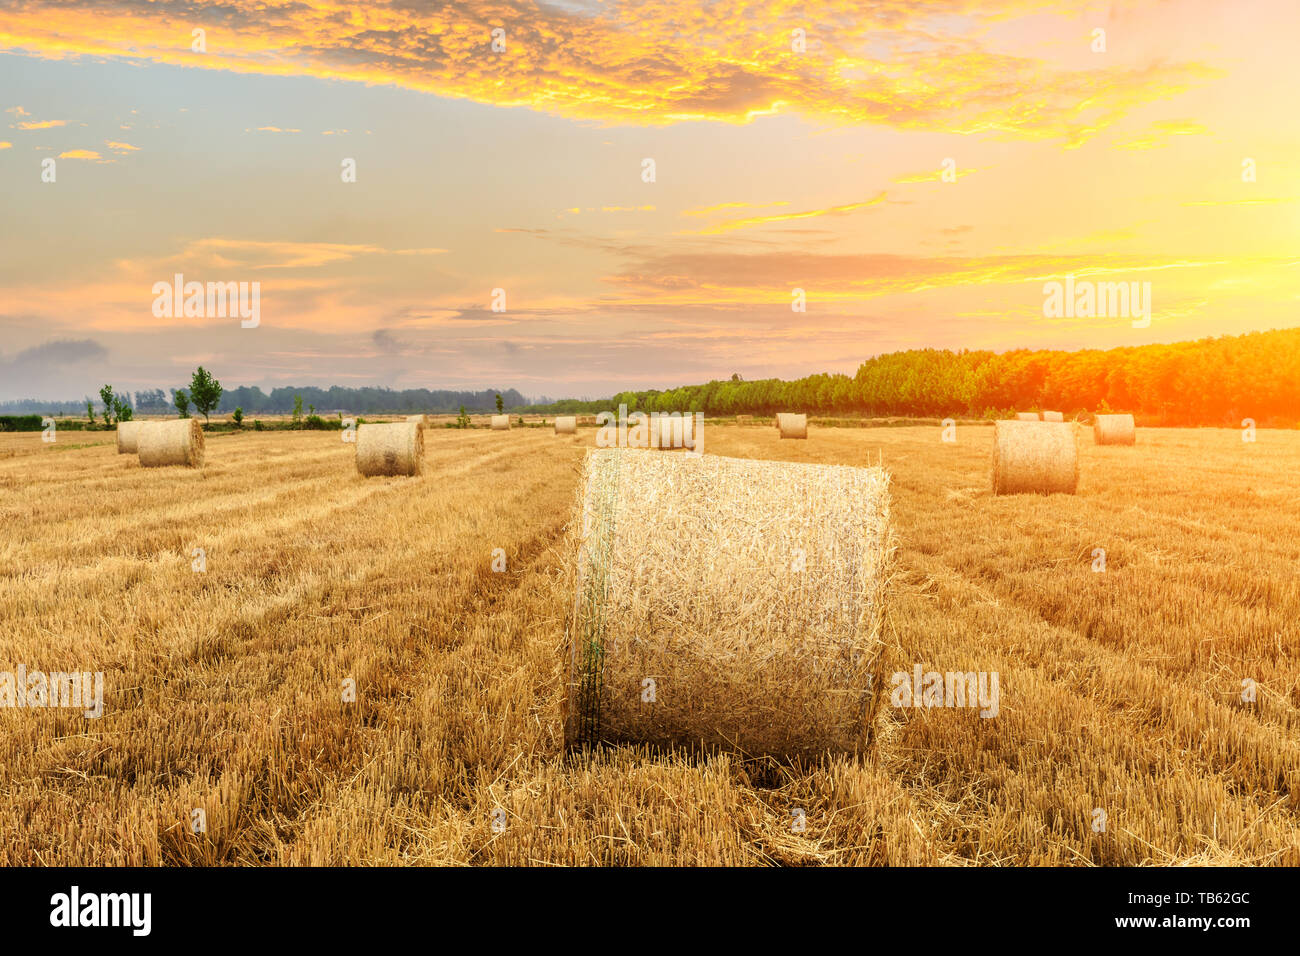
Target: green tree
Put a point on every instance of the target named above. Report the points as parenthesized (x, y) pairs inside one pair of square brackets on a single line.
[(238, 416), (501, 406), (205, 392), (106, 396), (297, 411), (182, 402), (90, 411), (122, 411), (462, 420)]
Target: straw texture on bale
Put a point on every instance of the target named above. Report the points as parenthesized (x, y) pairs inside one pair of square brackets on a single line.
[(1035, 456), (749, 592), (792, 426), (500, 422), (1027, 417), (566, 425), (128, 434), (1114, 430), (177, 442), (675, 433), (1053, 417), (395, 448), (422, 419)]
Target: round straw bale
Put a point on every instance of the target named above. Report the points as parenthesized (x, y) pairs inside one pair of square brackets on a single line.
[(394, 448), (1053, 417), (792, 426), (722, 603), (422, 419), (566, 424), (177, 442), (1035, 456), (128, 434), (500, 423), (1027, 417), (1114, 430), (674, 433)]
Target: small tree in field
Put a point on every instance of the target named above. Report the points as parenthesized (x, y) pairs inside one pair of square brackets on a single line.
[(182, 402), (205, 392), (238, 416), (501, 406), (106, 396), (90, 411), (121, 410), (462, 420), (297, 411)]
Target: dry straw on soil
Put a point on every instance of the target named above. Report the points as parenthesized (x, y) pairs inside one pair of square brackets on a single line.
[(1035, 456), (749, 593), (1027, 417), (1053, 417), (177, 442), (566, 425), (128, 434), (396, 448), (1114, 430), (674, 433), (500, 423), (792, 426), (744, 419)]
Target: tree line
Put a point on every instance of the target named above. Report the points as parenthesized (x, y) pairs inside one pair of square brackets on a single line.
[(1214, 381)]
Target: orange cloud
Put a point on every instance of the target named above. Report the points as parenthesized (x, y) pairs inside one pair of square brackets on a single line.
[(80, 154), (43, 124), (921, 64), (730, 224)]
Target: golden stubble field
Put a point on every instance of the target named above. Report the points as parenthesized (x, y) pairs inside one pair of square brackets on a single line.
[(1119, 691)]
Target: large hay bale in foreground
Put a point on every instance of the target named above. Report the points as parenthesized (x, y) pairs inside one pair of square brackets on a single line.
[(792, 426), (128, 436), (1114, 430), (674, 433), (1027, 417), (500, 423), (566, 425), (1053, 417), (394, 448), (177, 442), (722, 603), (1035, 456)]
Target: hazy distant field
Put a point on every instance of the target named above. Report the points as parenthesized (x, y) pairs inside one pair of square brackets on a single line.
[(1119, 691)]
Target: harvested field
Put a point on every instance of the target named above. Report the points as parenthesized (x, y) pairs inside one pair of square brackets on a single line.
[(1120, 690)]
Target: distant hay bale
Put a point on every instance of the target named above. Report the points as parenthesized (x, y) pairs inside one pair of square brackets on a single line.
[(792, 426), (177, 442), (500, 423), (566, 425), (1053, 417), (586, 419), (674, 433), (1035, 456), (394, 448), (1027, 417), (128, 434), (1114, 430), (722, 603)]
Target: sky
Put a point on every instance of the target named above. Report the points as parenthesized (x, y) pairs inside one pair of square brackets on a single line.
[(605, 196)]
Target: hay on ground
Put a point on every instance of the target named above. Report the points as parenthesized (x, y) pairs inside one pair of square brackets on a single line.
[(500, 423), (722, 603), (1114, 430), (1036, 457), (128, 435), (1027, 417), (744, 419), (177, 442), (566, 425), (1053, 417), (395, 448), (792, 426)]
